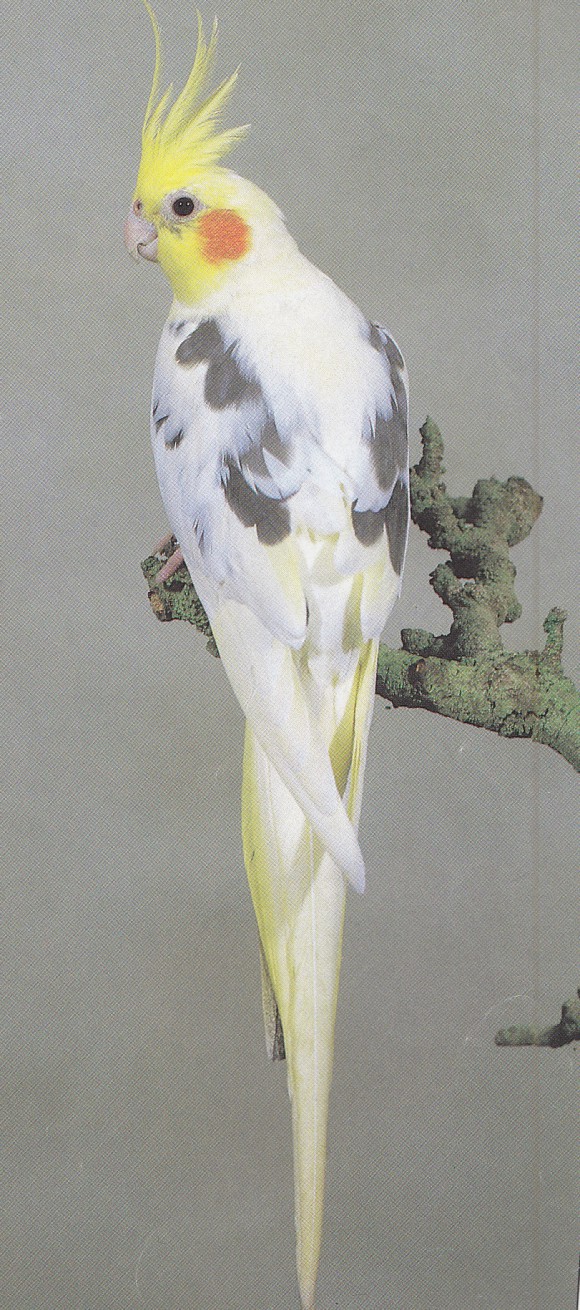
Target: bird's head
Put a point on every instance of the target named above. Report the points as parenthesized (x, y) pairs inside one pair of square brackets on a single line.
[(196, 218)]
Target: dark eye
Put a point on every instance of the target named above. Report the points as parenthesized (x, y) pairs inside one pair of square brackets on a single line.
[(183, 206)]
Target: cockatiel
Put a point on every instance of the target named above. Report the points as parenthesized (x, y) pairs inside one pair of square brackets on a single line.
[(279, 431)]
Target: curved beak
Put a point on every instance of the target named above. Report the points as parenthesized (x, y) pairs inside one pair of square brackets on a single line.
[(140, 236)]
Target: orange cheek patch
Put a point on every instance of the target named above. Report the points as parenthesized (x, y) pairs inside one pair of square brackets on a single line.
[(224, 235)]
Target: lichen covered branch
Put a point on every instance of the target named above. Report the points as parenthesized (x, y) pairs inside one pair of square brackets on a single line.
[(464, 674), (559, 1034)]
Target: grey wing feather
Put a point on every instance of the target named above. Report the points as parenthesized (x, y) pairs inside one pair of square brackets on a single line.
[(385, 506), (227, 470), (256, 467)]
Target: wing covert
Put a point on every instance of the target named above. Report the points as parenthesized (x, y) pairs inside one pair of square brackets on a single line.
[(228, 472), (240, 474)]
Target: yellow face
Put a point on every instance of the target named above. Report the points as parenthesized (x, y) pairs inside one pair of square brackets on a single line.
[(196, 232)]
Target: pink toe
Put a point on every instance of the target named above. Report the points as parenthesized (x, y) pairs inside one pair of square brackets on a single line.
[(162, 545), (173, 564)]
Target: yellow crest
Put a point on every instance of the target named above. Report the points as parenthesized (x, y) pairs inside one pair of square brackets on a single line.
[(185, 133)]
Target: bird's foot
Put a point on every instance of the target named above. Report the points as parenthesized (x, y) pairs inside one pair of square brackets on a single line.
[(173, 563)]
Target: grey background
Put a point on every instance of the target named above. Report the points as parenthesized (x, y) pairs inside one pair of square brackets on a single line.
[(420, 152)]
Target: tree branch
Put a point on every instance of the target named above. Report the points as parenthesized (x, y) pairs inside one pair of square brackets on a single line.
[(559, 1034), (464, 674)]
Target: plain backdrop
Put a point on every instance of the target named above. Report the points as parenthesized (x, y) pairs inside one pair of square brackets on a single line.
[(420, 151)]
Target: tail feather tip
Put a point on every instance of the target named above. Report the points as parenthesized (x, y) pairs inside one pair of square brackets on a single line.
[(356, 875), (307, 1298)]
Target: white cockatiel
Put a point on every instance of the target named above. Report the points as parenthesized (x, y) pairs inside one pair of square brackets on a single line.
[(279, 430)]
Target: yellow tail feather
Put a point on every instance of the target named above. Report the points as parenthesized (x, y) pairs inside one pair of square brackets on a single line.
[(299, 897)]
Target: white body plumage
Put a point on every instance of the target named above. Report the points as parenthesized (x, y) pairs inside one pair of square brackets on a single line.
[(303, 360)]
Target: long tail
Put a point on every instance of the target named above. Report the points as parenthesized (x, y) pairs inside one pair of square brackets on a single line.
[(299, 896)]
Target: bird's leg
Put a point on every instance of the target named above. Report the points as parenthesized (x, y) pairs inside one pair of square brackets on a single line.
[(173, 564), (161, 547), (174, 561)]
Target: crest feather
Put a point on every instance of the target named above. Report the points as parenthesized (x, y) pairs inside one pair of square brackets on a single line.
[(186, 129)]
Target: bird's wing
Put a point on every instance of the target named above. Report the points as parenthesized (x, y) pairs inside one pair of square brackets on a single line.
[(246, 484), (380, 510), (228, 471)]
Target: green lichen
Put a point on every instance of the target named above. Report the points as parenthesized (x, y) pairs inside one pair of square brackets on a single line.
[(477, 581), (464, 674), (516, 695), (176, 598)]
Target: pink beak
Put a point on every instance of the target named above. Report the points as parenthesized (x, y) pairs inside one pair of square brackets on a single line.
[(140, 236)]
